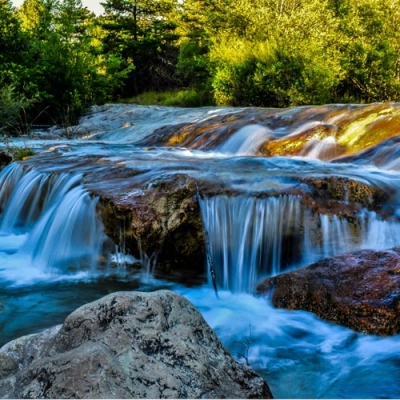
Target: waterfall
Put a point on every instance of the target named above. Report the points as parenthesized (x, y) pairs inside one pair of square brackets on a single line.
[(68, 234), (336, 236), (247, 140), (52, 222), (9, 177), (369, 232), (378, 234), (251, 238), (248, 235), (28, 194), (323, 149)]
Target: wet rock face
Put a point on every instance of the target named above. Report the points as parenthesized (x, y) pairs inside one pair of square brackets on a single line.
[(342, 196), (360, 290), (206, 134), (5, 159), (303, 142), (127, 345), (163, 218)]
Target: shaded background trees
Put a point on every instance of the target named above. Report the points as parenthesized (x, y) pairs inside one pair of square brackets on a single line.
[(57, 58), (143, 34)]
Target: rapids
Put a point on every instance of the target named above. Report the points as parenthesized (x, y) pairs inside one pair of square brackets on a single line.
[(54, 255)]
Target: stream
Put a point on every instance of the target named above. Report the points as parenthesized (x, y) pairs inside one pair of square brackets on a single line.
[(52, 241)]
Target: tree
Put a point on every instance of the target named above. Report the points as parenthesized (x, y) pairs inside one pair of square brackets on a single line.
[(68, 72), (281, 53), (14, 46), (370, 54), (142, 33)]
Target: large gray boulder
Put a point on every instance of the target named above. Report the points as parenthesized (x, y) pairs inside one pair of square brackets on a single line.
[(127, 345)]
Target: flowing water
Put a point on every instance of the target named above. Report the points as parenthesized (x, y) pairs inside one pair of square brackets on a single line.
[(55, 257), (250, 238)]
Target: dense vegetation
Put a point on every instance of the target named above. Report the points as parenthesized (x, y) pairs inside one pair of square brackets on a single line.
[(57, 58)]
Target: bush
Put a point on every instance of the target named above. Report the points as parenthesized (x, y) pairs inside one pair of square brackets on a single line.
[(12, 105), (189, 98), (178, 98), (265, 75)]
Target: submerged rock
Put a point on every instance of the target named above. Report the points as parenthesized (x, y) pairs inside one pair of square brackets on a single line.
[(385, 155), (209, 133), (360, 290), (127, 345), (313, 141)]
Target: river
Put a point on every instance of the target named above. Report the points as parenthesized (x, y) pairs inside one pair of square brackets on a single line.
[(51, 237)]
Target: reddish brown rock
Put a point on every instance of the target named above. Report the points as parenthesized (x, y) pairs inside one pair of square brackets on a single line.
[(360, 290), (342, 196)]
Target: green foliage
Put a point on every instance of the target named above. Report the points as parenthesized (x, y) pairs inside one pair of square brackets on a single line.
[(11, 106), (288, 52), (66, 69), (371, 53), (63, 70), (142, 33), (57, 58), (13, 44), (179, 98), (21, 153), (189, 98), (17, 153), (193, 64), (261, 74)]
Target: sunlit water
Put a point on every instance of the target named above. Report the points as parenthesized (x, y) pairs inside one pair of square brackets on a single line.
[(52, 259)]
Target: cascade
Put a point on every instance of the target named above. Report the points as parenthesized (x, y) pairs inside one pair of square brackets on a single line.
[(51, 238), (251, 238), (9, 177), (336, 236), (246, 236), (27, 194), (72, 222), (324, 149), (52, 222), (247, 140), (378, 234)]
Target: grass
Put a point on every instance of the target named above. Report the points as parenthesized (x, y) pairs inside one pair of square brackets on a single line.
[(178, 98), (17, 153), (21, 153)]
